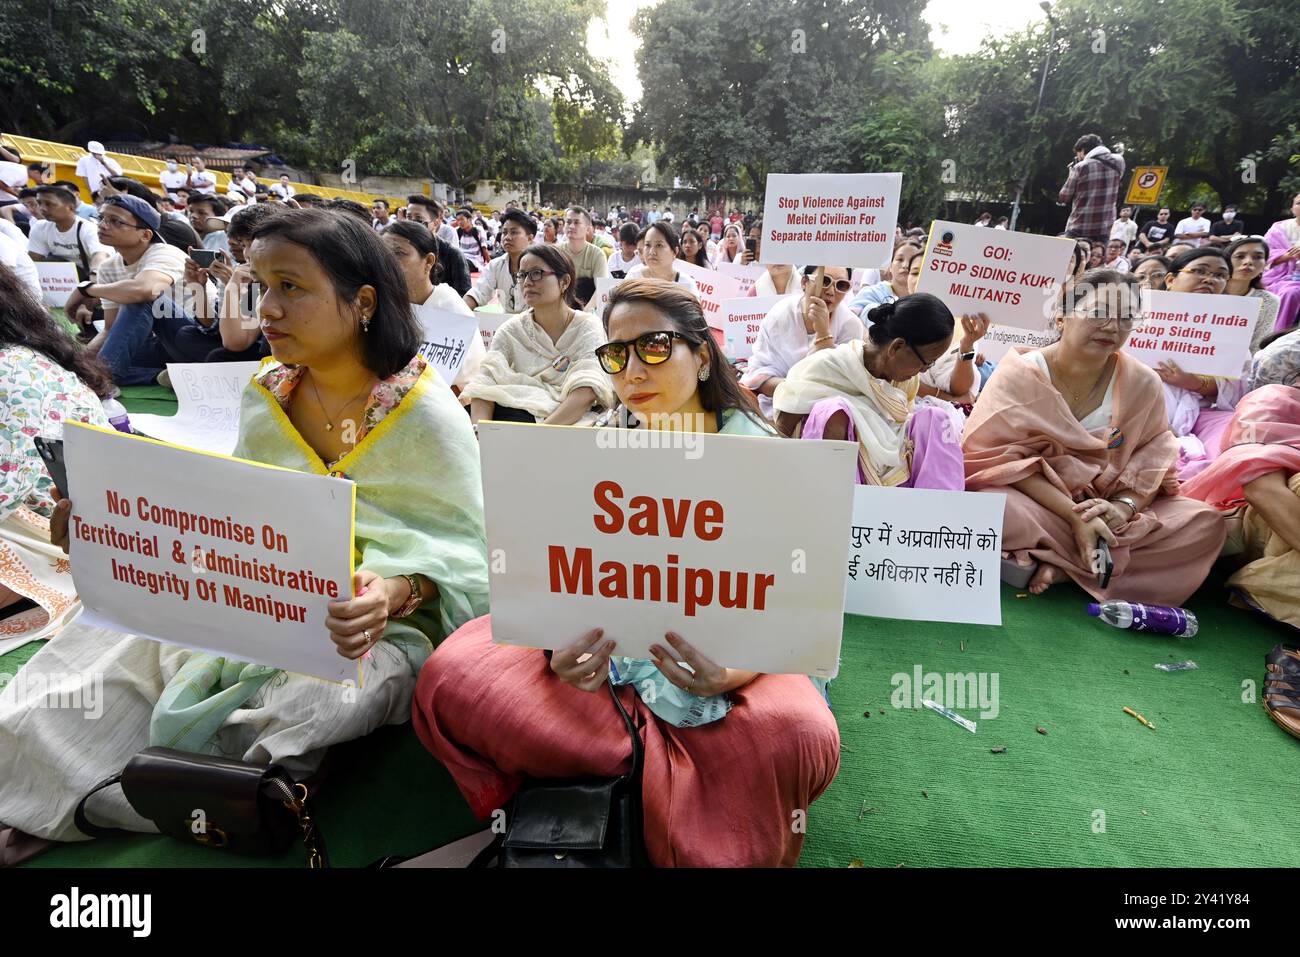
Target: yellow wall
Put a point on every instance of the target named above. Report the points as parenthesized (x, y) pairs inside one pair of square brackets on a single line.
[(146, 170)]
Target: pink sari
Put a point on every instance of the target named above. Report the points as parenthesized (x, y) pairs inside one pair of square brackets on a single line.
[(1277, 279), (1264, 437), (724, 794), (1022, 426)]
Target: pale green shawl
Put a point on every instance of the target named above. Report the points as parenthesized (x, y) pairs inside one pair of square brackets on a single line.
[(419, 510)]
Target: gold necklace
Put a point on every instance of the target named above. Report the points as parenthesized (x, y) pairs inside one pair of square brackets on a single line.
[(329, 419), (1076, 396)]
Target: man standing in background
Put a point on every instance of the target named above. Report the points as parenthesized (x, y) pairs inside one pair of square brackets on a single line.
[(1093, 189)]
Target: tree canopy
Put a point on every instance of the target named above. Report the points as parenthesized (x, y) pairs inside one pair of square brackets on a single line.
[(458, 91)]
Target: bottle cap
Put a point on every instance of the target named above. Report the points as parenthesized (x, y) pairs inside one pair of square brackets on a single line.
[(1094, 609)]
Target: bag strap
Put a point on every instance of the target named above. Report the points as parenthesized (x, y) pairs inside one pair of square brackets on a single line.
[(84, 824), (81, 246), (637, 754), (294, 796)]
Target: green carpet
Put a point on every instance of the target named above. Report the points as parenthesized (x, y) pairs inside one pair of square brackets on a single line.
[(1209, 787)]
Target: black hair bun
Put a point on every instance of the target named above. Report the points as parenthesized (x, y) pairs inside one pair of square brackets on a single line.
[(879, 318)]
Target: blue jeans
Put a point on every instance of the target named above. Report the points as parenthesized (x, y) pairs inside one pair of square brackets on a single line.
[(137, 346)]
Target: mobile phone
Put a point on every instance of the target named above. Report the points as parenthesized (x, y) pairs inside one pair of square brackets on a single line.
[(1106, 564), (203, 257), (51, 452)]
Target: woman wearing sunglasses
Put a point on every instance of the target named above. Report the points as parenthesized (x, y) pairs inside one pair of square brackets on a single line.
[(797, 326), (659, 257), (865, 391), (1199, 407), (542, 365), (721, 745), (1075, 435)]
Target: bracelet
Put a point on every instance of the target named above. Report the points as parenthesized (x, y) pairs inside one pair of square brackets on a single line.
[(415, 599), (821, 339), (1127, 500), (1206, 384)]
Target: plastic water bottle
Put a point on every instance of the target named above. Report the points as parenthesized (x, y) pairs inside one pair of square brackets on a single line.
[(116, 413), (1157, 619)]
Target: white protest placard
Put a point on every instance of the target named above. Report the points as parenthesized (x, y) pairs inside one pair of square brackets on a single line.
[(199, 550), (740, 321), (1015, 278), (1204, 334), (446, 339), (489, 321), (746, 275), (645, 532), (712, 289), (926, 555), (207, 406), (999, 340), (58, 280), (604, 286), (830, 219)]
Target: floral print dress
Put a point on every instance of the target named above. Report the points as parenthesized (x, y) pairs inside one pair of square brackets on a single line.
[(37, 395)]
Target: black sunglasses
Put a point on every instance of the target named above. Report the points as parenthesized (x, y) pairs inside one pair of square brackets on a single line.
[(651, 348)]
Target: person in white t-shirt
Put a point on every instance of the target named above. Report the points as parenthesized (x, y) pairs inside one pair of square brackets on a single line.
[(1116, 258), (199, 177), (1195, 229), (138, 286), (63, 236), (284, 189), (16, 258), (95, 167), (518, 231), (625, 257), (1125, 228), (172, 180)]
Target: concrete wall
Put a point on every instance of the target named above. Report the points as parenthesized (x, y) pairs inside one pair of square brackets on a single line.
[(682, 201), (377, 185)]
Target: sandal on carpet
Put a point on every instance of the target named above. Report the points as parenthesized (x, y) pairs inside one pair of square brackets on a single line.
[(1017, 575), (1286, 657)]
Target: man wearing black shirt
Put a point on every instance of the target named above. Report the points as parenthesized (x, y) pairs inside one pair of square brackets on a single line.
[(1156, 235), (1227, 228)]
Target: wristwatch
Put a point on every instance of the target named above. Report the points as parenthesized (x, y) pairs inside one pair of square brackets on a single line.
[(966, 356), (1130, 502), (84, 285), (414, 601)]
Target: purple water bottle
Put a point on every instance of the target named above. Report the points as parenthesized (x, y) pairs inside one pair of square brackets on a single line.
[(1157, 619), (116, 414)]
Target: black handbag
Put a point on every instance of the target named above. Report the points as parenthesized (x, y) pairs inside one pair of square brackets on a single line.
[(576, 822), (243, 808)]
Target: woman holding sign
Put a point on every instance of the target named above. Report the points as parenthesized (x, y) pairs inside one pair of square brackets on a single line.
[(1199, 406), (416, 250), (349, 396), (721, 745), (955, 377), (1075, 435), (866, 392), (542, 364)]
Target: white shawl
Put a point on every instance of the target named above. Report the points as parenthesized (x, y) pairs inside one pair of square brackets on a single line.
[(784, 339), (520, 371), (880, 409)]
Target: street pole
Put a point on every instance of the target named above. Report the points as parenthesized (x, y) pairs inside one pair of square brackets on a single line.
[(1042, 85)]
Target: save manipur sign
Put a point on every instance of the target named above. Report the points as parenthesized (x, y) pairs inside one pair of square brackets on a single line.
[(657, 535)]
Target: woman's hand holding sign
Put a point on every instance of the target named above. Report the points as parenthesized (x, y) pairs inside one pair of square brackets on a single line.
[(585, 663), (705, 677), (973, 329), (59, 520), (357, 624)]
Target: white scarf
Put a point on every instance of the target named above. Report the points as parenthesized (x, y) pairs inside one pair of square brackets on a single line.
[(880, 409)]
